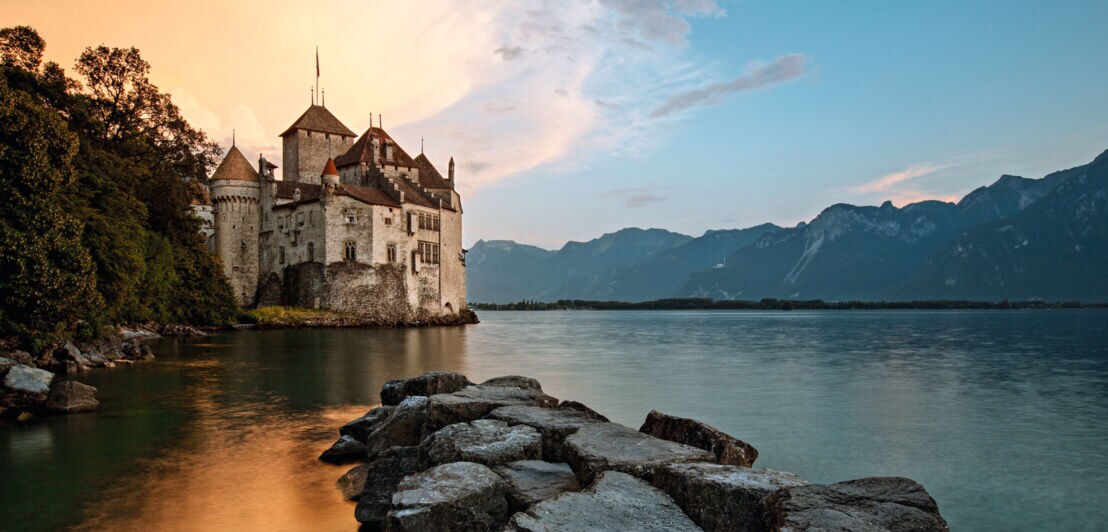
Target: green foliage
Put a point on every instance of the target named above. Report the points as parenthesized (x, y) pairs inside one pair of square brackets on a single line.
[(98, 178)]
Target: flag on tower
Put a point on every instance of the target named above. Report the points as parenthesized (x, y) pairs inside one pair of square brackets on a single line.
[(317, 61)]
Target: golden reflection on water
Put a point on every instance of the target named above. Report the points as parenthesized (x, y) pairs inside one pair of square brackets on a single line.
[(261, 475)]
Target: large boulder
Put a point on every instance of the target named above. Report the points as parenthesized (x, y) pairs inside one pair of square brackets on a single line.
[(722, 497), (345, 450), (25, 379), (616, 502), (531, 481), (475, 402), (428, 384), (352, 482), (894, 504), (583, 408), (454, 496), (598, 447), (553, 423), (360, 428), (402, 428), (484, 441), (71, 396), (727, 448), (514, 381), (383, 474)]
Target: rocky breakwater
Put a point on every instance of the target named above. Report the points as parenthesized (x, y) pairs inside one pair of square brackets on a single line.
[(442, 453)]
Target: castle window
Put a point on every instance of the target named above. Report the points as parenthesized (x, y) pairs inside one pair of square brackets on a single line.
[(281, 255), (350, 251), (299, 219), (311, 252), (391, 252), (351, 219), (429, 251), (388, 221)]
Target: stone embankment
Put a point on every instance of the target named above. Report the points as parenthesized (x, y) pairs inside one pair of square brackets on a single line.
[(322, 319), (33, 386), (442, 453)]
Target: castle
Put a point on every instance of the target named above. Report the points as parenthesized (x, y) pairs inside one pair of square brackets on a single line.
[(371, 230)]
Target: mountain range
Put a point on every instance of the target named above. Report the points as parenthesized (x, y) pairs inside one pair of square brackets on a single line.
[(1017, 238)]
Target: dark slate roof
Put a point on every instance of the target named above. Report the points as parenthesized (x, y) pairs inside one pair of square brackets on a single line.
[(429, 176), (308, 191), (318, 118), (370, 195), (362, 150), (235, 166)]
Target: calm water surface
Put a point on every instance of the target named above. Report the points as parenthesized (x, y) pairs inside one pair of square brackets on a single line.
[(1001, 415)]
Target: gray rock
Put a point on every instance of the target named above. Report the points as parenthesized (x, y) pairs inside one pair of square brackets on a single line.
[(553, 423), (514, 381), (531, 481), (20, 357), (71, 396), (727, 448), (361, 427), (454, 496), (616, 502), (402, 428), (475, 402), (352, 482), (580, 407), (722, 497), (5, 365), (598, 447), (428, 384), (25, 379), (383, 474), (872, 504), (345, 450), (484, 441)]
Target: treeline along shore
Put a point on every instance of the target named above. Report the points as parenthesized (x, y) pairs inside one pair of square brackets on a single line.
[(780, 304)]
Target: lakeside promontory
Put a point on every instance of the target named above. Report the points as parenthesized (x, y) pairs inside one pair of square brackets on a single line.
[(443, 453)]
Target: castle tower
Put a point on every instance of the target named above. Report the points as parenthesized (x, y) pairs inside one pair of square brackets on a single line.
[(234, 188), (307, 144)]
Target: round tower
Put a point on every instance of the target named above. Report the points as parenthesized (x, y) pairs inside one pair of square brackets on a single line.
[(235, 189)]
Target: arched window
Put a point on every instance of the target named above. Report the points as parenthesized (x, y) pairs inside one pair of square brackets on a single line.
[(391, 252), (311, 252), (350, 251)]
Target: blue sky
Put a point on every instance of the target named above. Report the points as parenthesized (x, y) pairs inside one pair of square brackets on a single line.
[(572, 119), (962, 92)]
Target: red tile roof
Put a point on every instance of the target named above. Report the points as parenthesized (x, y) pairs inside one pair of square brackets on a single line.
[(329, 168), (370, 195), (429, 176), (362, 150), (235, 166), (318, 118)]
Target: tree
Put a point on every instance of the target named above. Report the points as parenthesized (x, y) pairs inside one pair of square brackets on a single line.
[(46, 276), (21, 47)]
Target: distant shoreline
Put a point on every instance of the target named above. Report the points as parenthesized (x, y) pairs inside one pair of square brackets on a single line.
[(783, 304)]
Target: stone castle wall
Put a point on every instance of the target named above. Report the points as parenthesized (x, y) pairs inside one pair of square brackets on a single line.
[(235, 212), (305, 153)]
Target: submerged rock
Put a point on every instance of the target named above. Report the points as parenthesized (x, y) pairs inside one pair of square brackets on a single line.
[(402, 428), (514, 381), (531, 481), (383, 474), (485, 441), (727, 448), (71, 396), (352, 482), (893, 504), (346, 449), (25, 379), (616, 502), (475, 402), (722, 497), (454, 496), (598, 447), (360, 428), (428, 384), (554, 424)]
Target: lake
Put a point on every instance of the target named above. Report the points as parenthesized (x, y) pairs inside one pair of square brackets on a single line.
[(1001, 415)]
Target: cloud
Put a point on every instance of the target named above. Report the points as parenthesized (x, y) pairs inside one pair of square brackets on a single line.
[(783, 68), (634, 198), (888, 181), (509, 53)]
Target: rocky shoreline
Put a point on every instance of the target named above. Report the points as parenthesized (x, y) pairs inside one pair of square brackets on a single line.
[(36, 386), (353, 321), (442, 453)]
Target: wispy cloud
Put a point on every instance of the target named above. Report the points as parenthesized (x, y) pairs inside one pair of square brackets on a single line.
[(888, 181), (634, 198), (784, 68)]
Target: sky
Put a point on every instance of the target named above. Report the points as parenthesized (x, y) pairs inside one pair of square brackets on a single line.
[(572, 119)]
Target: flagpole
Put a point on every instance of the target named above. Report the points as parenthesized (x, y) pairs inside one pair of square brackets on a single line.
[(316, 71)]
